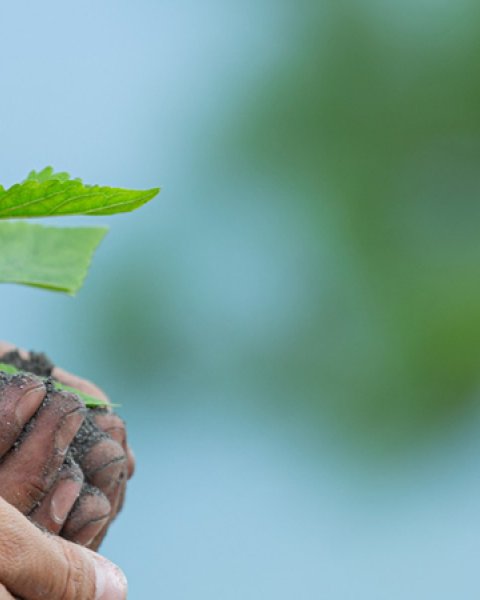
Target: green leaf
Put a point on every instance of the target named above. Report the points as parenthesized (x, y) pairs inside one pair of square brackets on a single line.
[(48, 194), (89, 401), (47, 174), (55, 258)]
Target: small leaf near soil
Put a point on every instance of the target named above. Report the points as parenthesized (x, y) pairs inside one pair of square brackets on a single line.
[(89, 401)]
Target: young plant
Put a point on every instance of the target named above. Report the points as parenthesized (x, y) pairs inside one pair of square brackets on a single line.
[(56, 258), (63, 466)]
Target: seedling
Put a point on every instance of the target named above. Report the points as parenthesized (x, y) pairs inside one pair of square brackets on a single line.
[(56, 258)]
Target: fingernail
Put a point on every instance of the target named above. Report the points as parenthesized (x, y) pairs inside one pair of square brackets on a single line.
[(87, 534), (63, 499), (29, 403), (110, 582), (68, 429)]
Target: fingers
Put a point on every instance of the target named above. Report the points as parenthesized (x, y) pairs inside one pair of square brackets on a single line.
[(116, 508), (105, 465), (101, 451), (115, 427), (105, 419), (105, 468), (20, 398), (35, 565), (55, 507), (29, 470), (74, 509), (90, 515)]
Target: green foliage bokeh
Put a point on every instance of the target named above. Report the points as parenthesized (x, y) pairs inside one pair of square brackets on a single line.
[(374, 131)]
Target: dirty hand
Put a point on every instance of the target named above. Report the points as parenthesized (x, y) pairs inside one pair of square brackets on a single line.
[(38, 475), (107, 465), (31, 457), (36, 565)]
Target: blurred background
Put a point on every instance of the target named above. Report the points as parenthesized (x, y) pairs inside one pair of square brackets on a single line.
[(293, 327)]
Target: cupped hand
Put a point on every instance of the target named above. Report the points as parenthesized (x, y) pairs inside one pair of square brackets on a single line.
[(37, 427), (107, 464), (83, 499)]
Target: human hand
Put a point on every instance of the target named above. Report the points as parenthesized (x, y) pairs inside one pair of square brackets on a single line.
[(97, 478), (36, 565), (107, 464), (31, 456)]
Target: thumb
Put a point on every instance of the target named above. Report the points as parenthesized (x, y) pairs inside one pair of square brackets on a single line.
[(36, 565)]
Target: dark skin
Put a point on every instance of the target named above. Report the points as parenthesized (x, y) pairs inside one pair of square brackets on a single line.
[(32, 478)]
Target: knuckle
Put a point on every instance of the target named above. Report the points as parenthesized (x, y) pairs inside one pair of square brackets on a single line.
[(13, 550), (108, 466), (67, 401), (108, 421), (36, 487), (71, 402), (13, 386), (10, 541), (77, 583), (72, 582)]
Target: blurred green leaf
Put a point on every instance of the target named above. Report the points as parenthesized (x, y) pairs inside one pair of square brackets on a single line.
[(47, 257)]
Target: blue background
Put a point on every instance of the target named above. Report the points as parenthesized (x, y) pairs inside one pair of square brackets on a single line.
[(292, 328)]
